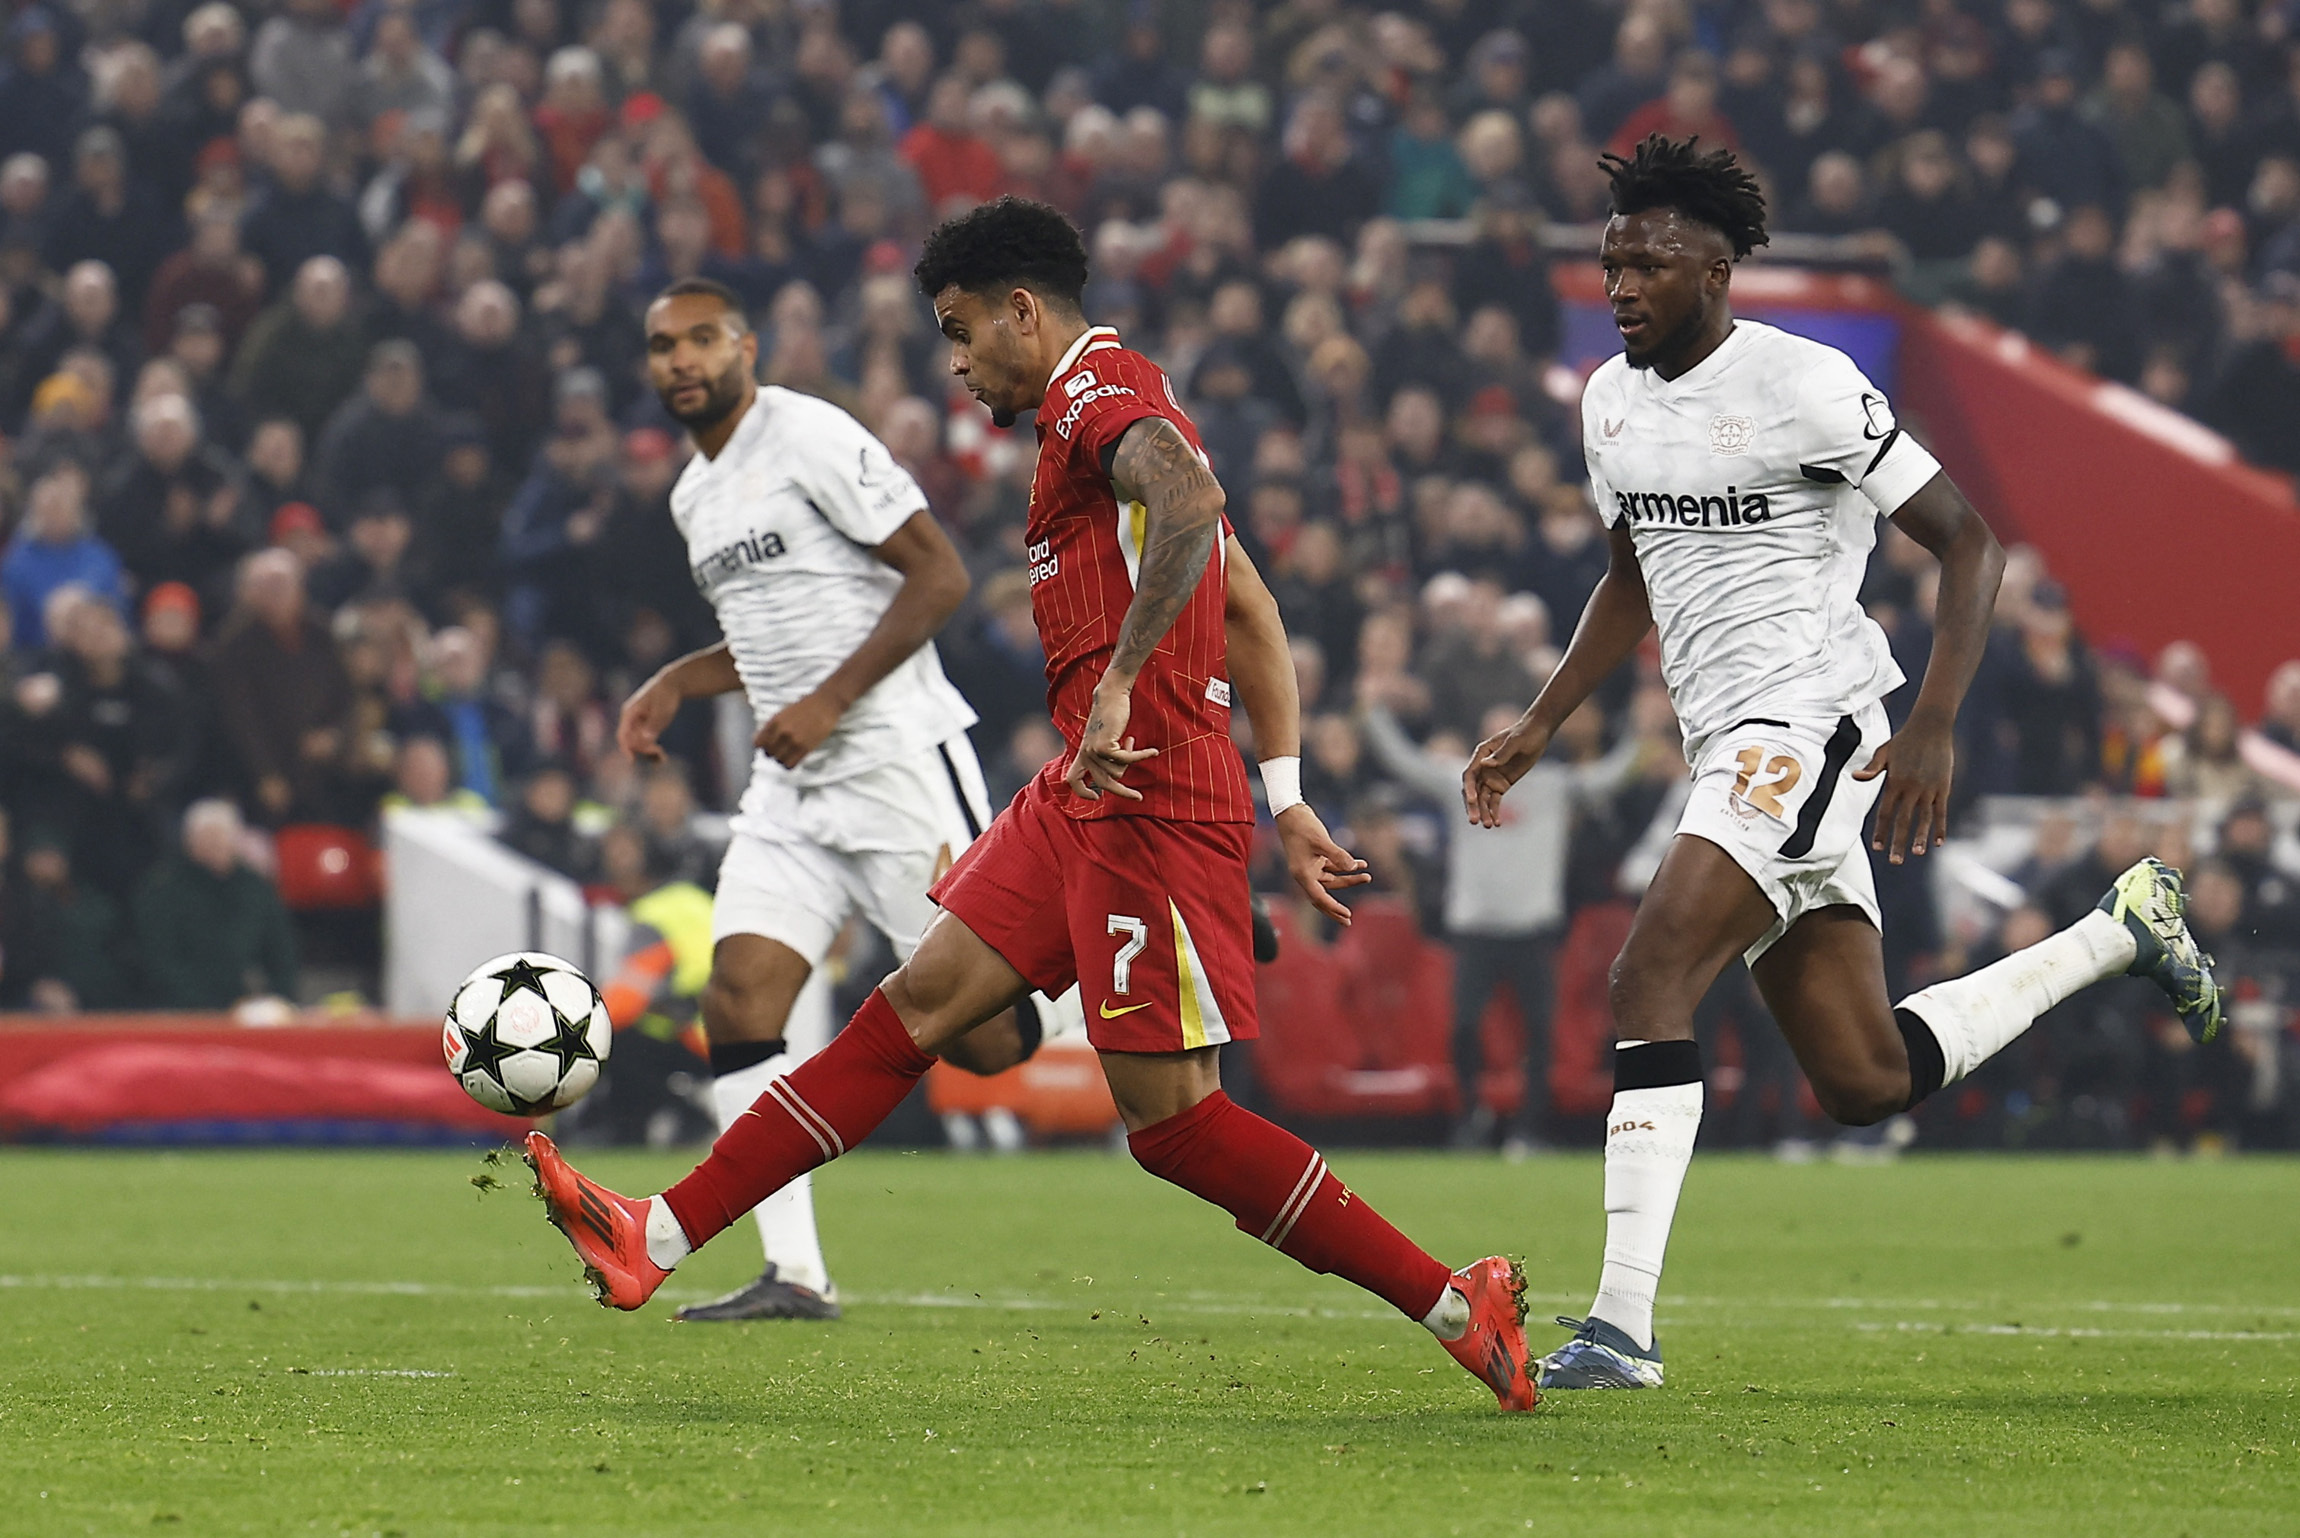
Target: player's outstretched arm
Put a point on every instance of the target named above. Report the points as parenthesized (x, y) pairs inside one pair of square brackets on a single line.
[(1155, 466), (934, 584), (653, 704), (1919, 760), (1262, 674), (1616, 619)]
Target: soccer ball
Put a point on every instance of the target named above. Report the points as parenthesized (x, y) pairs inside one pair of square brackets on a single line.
[(526, 1034)]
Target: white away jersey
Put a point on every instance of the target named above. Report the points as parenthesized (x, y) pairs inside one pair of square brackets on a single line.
[(1752, 486), (780, 530)]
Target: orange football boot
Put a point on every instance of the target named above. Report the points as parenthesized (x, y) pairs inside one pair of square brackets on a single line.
[(1493, 1347), (609, 1232)]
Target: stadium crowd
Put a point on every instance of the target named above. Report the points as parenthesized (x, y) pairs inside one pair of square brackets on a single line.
[(330, 478)]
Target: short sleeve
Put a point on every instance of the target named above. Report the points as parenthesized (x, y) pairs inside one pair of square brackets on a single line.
[(853, 481), (1595, 403), (1846, 433)]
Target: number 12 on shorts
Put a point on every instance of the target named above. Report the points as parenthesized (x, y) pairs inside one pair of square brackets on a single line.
[(1781, 777)]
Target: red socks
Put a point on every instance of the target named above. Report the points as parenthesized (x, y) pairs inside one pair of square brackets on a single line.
[(1272, 1182), (825, 1106), (1278, 1189)]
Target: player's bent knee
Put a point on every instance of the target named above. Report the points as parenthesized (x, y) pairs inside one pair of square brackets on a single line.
[(991, 1047), (1647, 1005), (735, 1012), (1861, 1101)]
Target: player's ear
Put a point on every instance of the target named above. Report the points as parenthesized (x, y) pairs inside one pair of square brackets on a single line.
[(1024, 306)]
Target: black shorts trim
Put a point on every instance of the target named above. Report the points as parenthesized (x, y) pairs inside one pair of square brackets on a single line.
[(958, 789), (1834, 758)]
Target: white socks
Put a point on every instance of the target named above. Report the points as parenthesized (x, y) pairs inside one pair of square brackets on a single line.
[(666, 1241), (1976, 1016), (1450, 1319), (787, 1218), (1648, 1143)]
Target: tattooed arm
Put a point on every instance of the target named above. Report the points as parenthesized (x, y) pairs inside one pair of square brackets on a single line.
[(1155, 466)]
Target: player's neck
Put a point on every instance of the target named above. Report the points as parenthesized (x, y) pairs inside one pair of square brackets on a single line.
[(1697, 348), (1060, 336), (710, 440)]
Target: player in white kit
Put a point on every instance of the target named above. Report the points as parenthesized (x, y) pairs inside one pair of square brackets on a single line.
[(1740, 472), (830, 579)]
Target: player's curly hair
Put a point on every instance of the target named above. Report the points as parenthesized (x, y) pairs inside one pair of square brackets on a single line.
[(1711, 189), (1010, 243)]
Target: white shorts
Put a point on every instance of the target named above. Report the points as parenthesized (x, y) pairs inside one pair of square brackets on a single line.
[(801, 859), (1779, 797)]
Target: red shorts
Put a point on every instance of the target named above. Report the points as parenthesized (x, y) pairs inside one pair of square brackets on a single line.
[(1151, 918)]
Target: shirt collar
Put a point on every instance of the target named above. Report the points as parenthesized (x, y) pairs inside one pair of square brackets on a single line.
[(1093, 338)]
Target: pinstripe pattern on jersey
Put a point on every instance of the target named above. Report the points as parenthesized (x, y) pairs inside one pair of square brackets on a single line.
[(1093, 551)]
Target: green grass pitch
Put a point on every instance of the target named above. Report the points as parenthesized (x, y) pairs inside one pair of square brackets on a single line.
[(364, 1343)]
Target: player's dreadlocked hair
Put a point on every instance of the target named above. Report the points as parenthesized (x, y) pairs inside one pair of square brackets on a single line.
[(1709, 189), (1011, 243)]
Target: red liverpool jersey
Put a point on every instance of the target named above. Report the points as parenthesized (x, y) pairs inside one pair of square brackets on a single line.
[(1085, 547)]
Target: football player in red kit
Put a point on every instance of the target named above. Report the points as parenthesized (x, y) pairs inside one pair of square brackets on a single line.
[(1122, 866)]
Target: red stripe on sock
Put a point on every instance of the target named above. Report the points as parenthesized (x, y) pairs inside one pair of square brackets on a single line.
[(831, 1101), (1255, 1171)]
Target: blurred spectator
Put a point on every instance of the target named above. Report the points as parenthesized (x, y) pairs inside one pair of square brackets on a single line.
[(1507, 266), (486, 367), (296, 217), (302, 59), (2083, 302), (175, 511), (67, 946), (54, 549), (1320, 188), (2050, 722), (1505, 898), (211, 930), (304, 355), (110, 217), (42, 91), (2144, 126), (559, 511), (400, 74), (484, 743), (666, 823), (112, 755), (2206, 763), (378, 562), (212, 270), (542, 825), (422, 780), (2061, 155), (569, 723), (385, 439), (282, 698), (86, 315), (951, 161)]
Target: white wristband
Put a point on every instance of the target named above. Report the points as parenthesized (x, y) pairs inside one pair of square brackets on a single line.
[(1282, 783)]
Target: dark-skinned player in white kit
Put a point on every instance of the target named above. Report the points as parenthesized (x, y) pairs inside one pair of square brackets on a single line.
[(1740, 472)]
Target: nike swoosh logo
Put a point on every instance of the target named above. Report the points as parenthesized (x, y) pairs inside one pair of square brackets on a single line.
[(1111, 1014)]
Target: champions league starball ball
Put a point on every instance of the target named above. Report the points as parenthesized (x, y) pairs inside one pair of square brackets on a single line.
[(526, 1034)]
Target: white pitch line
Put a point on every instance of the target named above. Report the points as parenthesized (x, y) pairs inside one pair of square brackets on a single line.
[(1926, 1327), (1216, 1305)]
